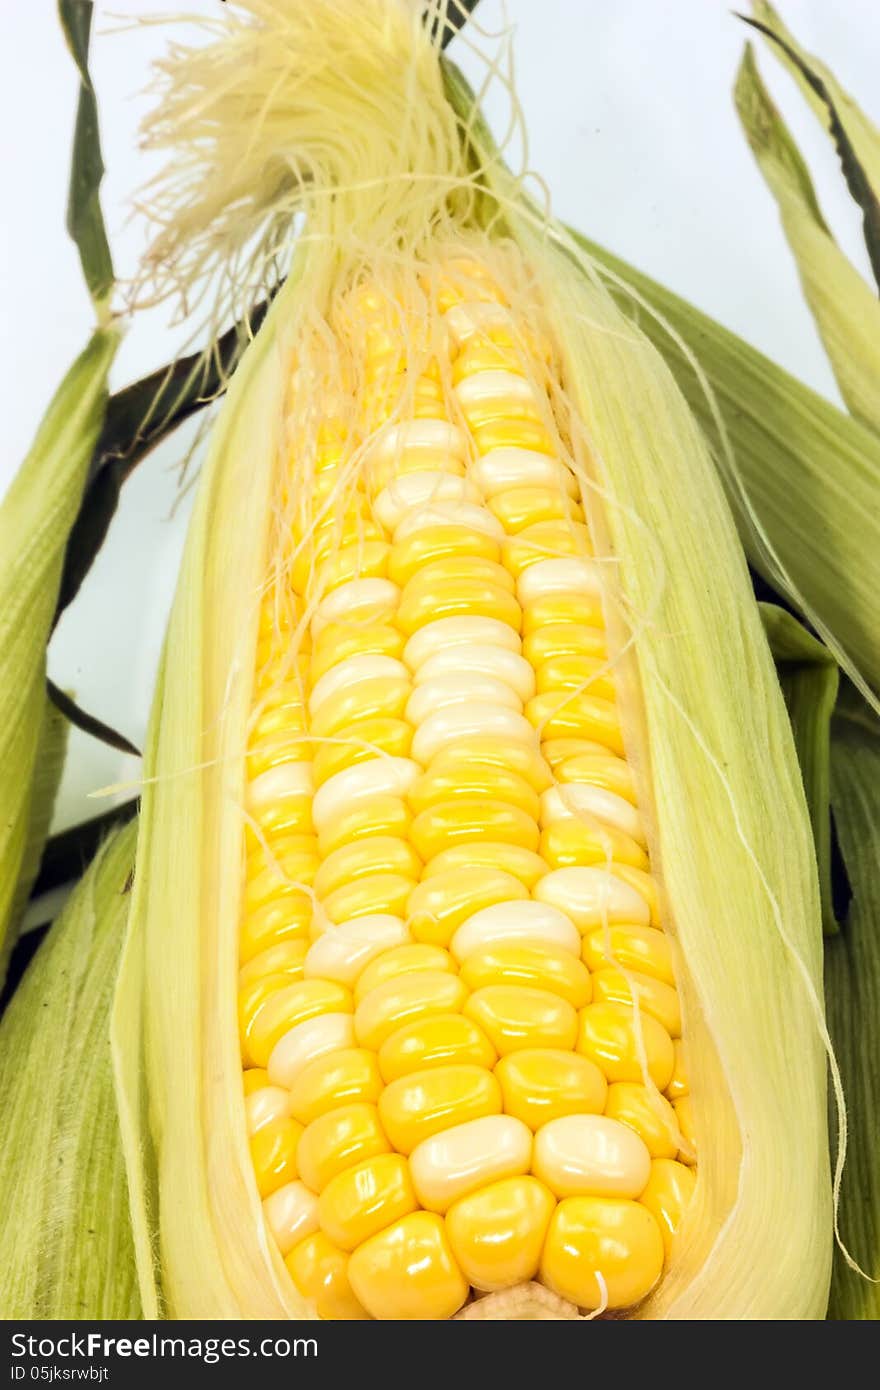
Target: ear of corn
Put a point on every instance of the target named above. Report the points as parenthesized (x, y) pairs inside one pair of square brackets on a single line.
[(853, 989), (65, 1236), (312, 546), (35, 518)]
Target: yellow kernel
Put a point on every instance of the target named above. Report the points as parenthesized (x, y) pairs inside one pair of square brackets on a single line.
[(338, 1078), (573, 841), (255, 1078), (646, 1112), (684, 1114), (555, 641), (612, 986), (457, 779), (422, 1103), (360, 741), (543, 967), (337, 1140), (545, 540), (611, 1236), (541, 1084), (523, 864), (603, 770), (386, 893), (667, 1195), (284, 958), (678, 1085), (286, 917), (497, 1233), (338, 641), (363, 1200), (607, 1035), (519, 507), (432, 543), (455, 597), (439, 904), (274, 1151), (319, 1269), (555, 610), (401, 960), (375, 815), (437, 1041), (588, 673), (633, 948), (522, 758), (408, 1271), (576, 714), (380, 854), (288, 1007), (383, 697), (443, 825), (513, 1016), (402, 1000)]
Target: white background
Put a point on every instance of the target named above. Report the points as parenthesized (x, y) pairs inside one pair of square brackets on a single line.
[(632, 127)]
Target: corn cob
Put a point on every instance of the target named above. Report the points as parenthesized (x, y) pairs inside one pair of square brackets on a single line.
[(471, 783)]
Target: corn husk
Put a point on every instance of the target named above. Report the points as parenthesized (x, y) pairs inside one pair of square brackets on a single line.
[(707, 729), (801, 477), (852, 982), (35, 519), (65, 1235)]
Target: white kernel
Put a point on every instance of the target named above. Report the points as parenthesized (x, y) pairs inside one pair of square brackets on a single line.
[(571, 575), (522, 923), (291, 1214), (464, 321), (511, 467), (573, 799), (453, 513), (278, 783), (413, 492), (467, 629), (467, 1156), (468, 721), (357, 600), (343, 951), (265, 1105), (591, 897), (394, 442), (307, 1041), (380, 776), (495, 385), (591, 1156), (348, 673), (506, 666), (459, 689)]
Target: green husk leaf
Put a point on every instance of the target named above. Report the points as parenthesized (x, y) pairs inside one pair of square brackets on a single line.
[(846, 309), (809, 678), (856, 138), (51, 752), (65, 1235), (852, 986), (85, 221), (35, 519), (801, 476)]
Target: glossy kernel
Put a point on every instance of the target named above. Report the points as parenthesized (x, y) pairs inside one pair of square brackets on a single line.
[(402, 1000), (338, 1078), (320, 1271), (611, 1236), (408, 1271), (363, 1200), (497, 1233), (422, 1103), (337, 1141), (668, 1195), (437, 1041), (513, 1016), (607, 1035), (274, 1149), (646, 1112), (542, 1084), (542, 967)]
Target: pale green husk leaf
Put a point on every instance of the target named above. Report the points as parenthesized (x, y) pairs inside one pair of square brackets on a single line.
[(35, 519), (846, 309), (801, 477), (65, 1235), (852, 982), (51, 752)]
